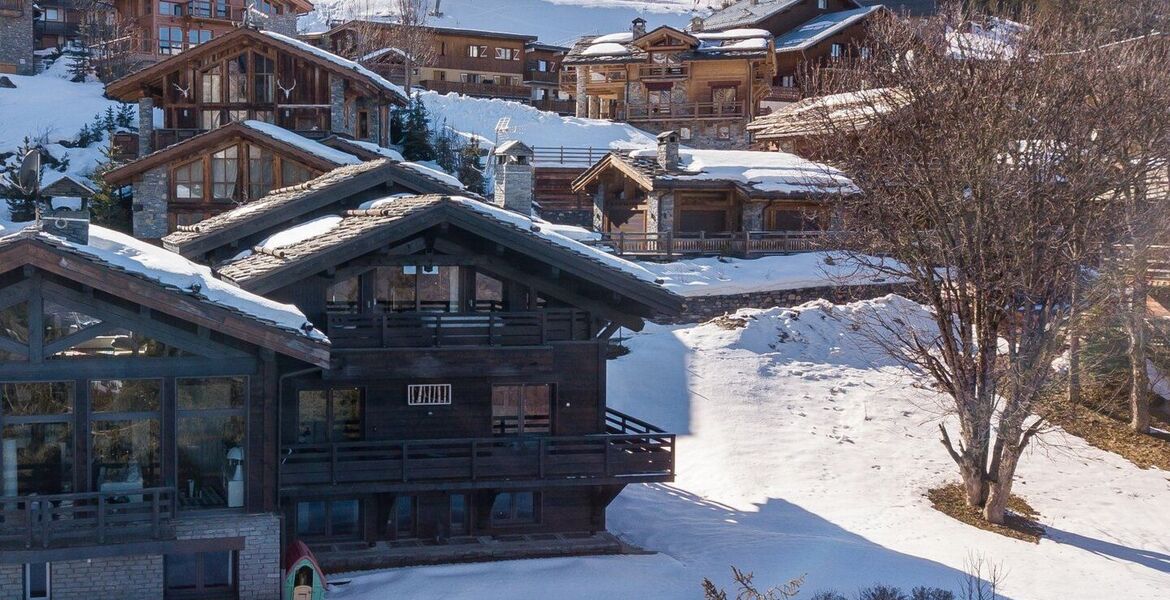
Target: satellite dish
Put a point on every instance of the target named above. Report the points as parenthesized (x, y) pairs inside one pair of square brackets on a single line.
[(29, 178)]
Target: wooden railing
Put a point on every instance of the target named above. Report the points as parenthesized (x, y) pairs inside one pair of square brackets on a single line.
[(60, 520), (626, 457), (564, 107), (568, 156), (550, 77), (743, 243), (685, 110), (434, 330), (490, 90), (664, 72)]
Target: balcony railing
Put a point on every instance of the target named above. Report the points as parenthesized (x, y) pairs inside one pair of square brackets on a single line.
[(561, 155), (564, 107), (489, 90), (434, 330), (62, 520), (633, 451), (686, 110), (664, 72), (550, 77), (743, 243)]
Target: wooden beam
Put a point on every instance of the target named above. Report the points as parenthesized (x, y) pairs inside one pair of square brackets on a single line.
[(118, 368)]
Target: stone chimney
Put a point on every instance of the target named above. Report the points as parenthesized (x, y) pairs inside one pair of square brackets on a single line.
[(514, 177), (145, 126), (67, 218), (638, 28), (668, 150), (696, 24)]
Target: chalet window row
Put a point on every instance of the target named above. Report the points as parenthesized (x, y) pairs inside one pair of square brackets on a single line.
[(340, 519), (236, 173), (481, 51)]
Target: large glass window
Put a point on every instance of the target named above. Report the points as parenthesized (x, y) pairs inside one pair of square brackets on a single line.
[(238, 79), (36, 442), (417, 288), (515, 508), (328, 518), (210, 442), (211, 88), (170, 40), (292, 173), (260, 172), (125, 434), (333, 415), (188, 181), (522, 409), (262, 78), (225, 174), (201, 575)]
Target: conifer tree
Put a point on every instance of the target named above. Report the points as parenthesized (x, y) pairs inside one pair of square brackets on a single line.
[(469, 170), (416, 136), (107, 207), (21, 206)]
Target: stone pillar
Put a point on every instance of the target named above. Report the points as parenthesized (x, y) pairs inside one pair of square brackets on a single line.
[(599, 206), (594, 107), (12, 581), (145, 126), (665, 212), (753, 216), (150, 204), (582, 98), (338, 123)]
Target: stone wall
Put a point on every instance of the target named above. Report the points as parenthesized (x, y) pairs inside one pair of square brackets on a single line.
[(697, 309), (16, 40), (284, 24), (124, 577), (259, 561), (11, 581), (337, 117), (150, 204)]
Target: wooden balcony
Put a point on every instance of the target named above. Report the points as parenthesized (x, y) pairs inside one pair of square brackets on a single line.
[(438, 329), (213, 11), (687, 110), (546, 77), (632, 451), (743, 243), (483, 90), (561, 107), (568, 156), (664, 73), (568, 80), (64, 520)]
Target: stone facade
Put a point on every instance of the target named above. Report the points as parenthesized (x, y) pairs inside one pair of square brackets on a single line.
[(514, 181), (124, 577), (660, 213), (150, 204), (582, 101), (285, 24), (16, 40), (753, 216), (145, 126), (697, 309), (11, 581), (337, 121), (259, 561)]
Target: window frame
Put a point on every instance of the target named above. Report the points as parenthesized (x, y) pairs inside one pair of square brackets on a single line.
[(328, 534), (512, 520), (240, 412), (200, 590), (27, 583)]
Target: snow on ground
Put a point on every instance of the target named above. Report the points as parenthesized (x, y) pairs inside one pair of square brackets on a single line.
[(49, 106), (554, 21), (479, 117), (803, 450), (712, 276)]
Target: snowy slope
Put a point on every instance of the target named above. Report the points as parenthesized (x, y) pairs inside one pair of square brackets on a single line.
[(710, 276), (553, 21), (48, 105), (802, 450)]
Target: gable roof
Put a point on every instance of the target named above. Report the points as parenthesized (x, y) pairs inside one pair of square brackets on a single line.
[(747, 13), (118, 264), (379, 223), (808, 117), (910, 8), (619, 48), (311, 152), (817, 30), (287, 204), (129, 87)]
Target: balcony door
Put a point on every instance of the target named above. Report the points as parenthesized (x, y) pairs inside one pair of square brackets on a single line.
[(522, 409), (329, 416)]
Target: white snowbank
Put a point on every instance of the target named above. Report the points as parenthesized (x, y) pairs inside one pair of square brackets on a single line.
[(620, 37), (606, 49), (300, 233), (724, 276), (764, 171), (48, 106)]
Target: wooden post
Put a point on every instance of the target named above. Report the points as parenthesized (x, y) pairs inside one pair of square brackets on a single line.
[(669, 243), (606, 446), (491, 329), (621, 242), (29, 522), (154, 515), (333, 463), (101, 518), (404, 450), (474, 456), (540, 459), (747, 243)]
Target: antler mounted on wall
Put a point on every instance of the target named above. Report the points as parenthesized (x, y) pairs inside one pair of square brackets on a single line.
[(185, 91), (287, 90)]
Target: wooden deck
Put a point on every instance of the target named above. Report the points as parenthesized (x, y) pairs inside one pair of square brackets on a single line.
[(438, 329), (744, 243)]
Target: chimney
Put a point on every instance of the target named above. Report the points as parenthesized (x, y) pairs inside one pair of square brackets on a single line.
[(145, 126), (64, 217), (638, 28), (514, 177), (668, 150), (696, 24)]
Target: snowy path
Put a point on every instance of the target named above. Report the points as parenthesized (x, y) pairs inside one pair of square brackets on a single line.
[(811, 456)]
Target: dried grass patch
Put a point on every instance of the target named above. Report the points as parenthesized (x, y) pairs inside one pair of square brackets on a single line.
[(1107, 431), (1019, 523)]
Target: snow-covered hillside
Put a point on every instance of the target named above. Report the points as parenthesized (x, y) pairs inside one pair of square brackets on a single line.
[(803, 451), (554, 21)]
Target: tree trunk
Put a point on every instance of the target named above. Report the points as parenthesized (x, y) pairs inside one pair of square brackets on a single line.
[(1139, 393), (1000, 489), (1074, 344), (974, 483)]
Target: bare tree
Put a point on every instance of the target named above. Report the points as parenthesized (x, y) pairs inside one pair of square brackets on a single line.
[(991, 179), (111, 40), (404, 33)]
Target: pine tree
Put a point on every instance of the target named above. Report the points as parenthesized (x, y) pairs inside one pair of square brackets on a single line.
[(125, 117), (109, 120), (79, 67), (21, 205), (447, 149), (469, 170), (416, 136), (108, 208)]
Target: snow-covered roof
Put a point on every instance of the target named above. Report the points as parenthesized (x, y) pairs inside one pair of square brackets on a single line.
[(621, 37), (732, 34), (299, 233), (606, 49), (434, 174), (821, 28), (809, 116), (763, 172), (172, 271), (745, 13), (303, 143), (382, 52), (343, 62)]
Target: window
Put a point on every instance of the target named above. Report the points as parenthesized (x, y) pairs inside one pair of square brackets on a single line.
[(210, 442), (864, 52), (260, 172), (211, 119), (52, 14), (709, 221), (211, 85), (428, 394), (723, 132), (263, 81), (328, 518), (170, 40), (442, 48), (822, 4), (515, 508), (474, 51), (333, 415), (723, 95), (125, 432), (292, 173), (788, 81), (522, 409), (238, 79), (170, 9), (459, 514), (837, 50), (200, 575), (37, 438), (684, 133), (469, 78), (363, 124), (225, 174), (198, 36), (188, 181), (405, 516), (507, 54), (37, 581)]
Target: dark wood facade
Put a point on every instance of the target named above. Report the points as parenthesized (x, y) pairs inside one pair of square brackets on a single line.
[(165, 28)]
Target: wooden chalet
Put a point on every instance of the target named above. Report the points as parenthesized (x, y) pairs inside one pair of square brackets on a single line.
[(165, 28), (676, 201), (542, 74), (250, 74), (810, 36), (138, 422), (465, 399), (797, 127), (704, 86), (485, 64)]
